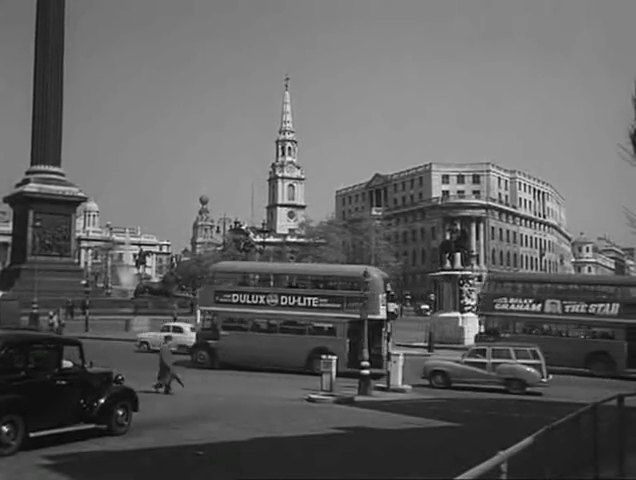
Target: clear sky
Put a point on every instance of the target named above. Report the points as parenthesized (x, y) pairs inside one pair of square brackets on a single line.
[(166, 100)]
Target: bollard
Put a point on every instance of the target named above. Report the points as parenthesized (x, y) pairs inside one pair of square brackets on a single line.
[(127, 325), (431, 342), (328, 364), (396, 370)]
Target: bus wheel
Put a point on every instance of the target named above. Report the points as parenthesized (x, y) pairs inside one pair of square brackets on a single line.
[(601, 365), (204, 358)]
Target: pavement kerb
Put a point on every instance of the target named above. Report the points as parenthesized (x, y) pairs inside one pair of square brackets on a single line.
[(108, 338)]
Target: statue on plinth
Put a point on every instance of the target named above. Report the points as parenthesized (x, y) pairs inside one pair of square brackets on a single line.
[(454, 251)]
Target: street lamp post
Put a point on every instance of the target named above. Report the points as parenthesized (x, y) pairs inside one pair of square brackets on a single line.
[(87, 292), (365, 387), (35, 313), (223, 220)]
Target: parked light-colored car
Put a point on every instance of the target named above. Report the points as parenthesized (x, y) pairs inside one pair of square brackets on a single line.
[(516, 366), (183, 337)]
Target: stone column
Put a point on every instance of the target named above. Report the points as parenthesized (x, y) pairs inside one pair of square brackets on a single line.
[(482, 244), (473, 241), (48, 77)]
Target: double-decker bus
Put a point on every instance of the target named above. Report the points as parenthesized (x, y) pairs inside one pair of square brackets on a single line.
[(579, 321), (286, 315)]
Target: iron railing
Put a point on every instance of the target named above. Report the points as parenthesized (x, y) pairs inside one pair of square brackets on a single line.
[(593, 442)]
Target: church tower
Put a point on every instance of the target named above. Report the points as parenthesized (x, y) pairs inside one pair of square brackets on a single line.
[(286, 183), (202, 239)]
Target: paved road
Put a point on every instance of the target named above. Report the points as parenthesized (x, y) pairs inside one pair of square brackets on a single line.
[(240, 424)]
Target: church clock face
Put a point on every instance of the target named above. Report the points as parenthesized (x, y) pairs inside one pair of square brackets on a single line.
[(290, 170), (291, 215)]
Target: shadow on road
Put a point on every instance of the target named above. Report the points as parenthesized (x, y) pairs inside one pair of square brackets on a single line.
[(186, 363), (479, 429), (482, 389)]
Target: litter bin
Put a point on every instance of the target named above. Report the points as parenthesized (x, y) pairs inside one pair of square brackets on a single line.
[(328, 364), (396, 369)]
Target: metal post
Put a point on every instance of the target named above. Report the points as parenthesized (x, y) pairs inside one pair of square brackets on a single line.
[(503, 470), (595, 455), (364, 382), (87, 291), (620, 419), (35, 309)]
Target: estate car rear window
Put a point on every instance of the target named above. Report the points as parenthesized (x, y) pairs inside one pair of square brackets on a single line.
[(523, 354), (501, 354)]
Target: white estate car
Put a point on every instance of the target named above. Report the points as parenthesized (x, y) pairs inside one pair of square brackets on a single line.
[(183, 337)]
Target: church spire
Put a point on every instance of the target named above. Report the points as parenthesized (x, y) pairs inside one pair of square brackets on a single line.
[(286, 131)]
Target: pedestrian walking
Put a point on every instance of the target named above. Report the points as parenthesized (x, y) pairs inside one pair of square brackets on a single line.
[(70, 309), (166, 373), (59, 324), (51, 321)]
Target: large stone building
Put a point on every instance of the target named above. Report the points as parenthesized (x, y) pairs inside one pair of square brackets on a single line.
[(108, 254), (601, 257), (512, 220)]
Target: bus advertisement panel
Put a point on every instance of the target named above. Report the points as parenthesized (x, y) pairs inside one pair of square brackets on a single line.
[(286, 315)]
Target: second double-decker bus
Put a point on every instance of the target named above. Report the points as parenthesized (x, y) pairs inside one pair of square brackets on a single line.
[(579, 321), (287, 315)]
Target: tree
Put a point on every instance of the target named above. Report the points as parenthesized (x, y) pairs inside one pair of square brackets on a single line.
[(359, 240), (628, 153)]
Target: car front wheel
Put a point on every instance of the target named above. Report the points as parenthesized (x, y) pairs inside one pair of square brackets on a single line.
[(119, 418), (439, 379), (516, 386), (12, 434), (144, 347)]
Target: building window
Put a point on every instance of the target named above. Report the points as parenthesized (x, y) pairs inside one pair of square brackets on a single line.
[(433, 235), (506, 200), (514, 237), (507, 259), (395, 201), (476, 193), (403, 186), (499, 198), (445, 179), (291, 193), (494, 257), (420, 196), (501, 234), (356, 199), (460, 179), (514, 260), (499, 182), (461, 193), (506, 184), (394, 187), (412, 199), (445, 194), (414, 235), (422, 233), (508, 236), (403, 199), (423, 253), (476, 179), (405, 238), (412, 183), (492, 233), (344, 201), (421, 181), (501, 258)]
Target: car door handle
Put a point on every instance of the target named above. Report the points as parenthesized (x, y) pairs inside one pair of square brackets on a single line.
[(61, 382)]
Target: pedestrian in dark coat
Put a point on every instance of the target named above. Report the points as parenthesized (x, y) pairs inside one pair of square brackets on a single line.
[(166, 373)]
